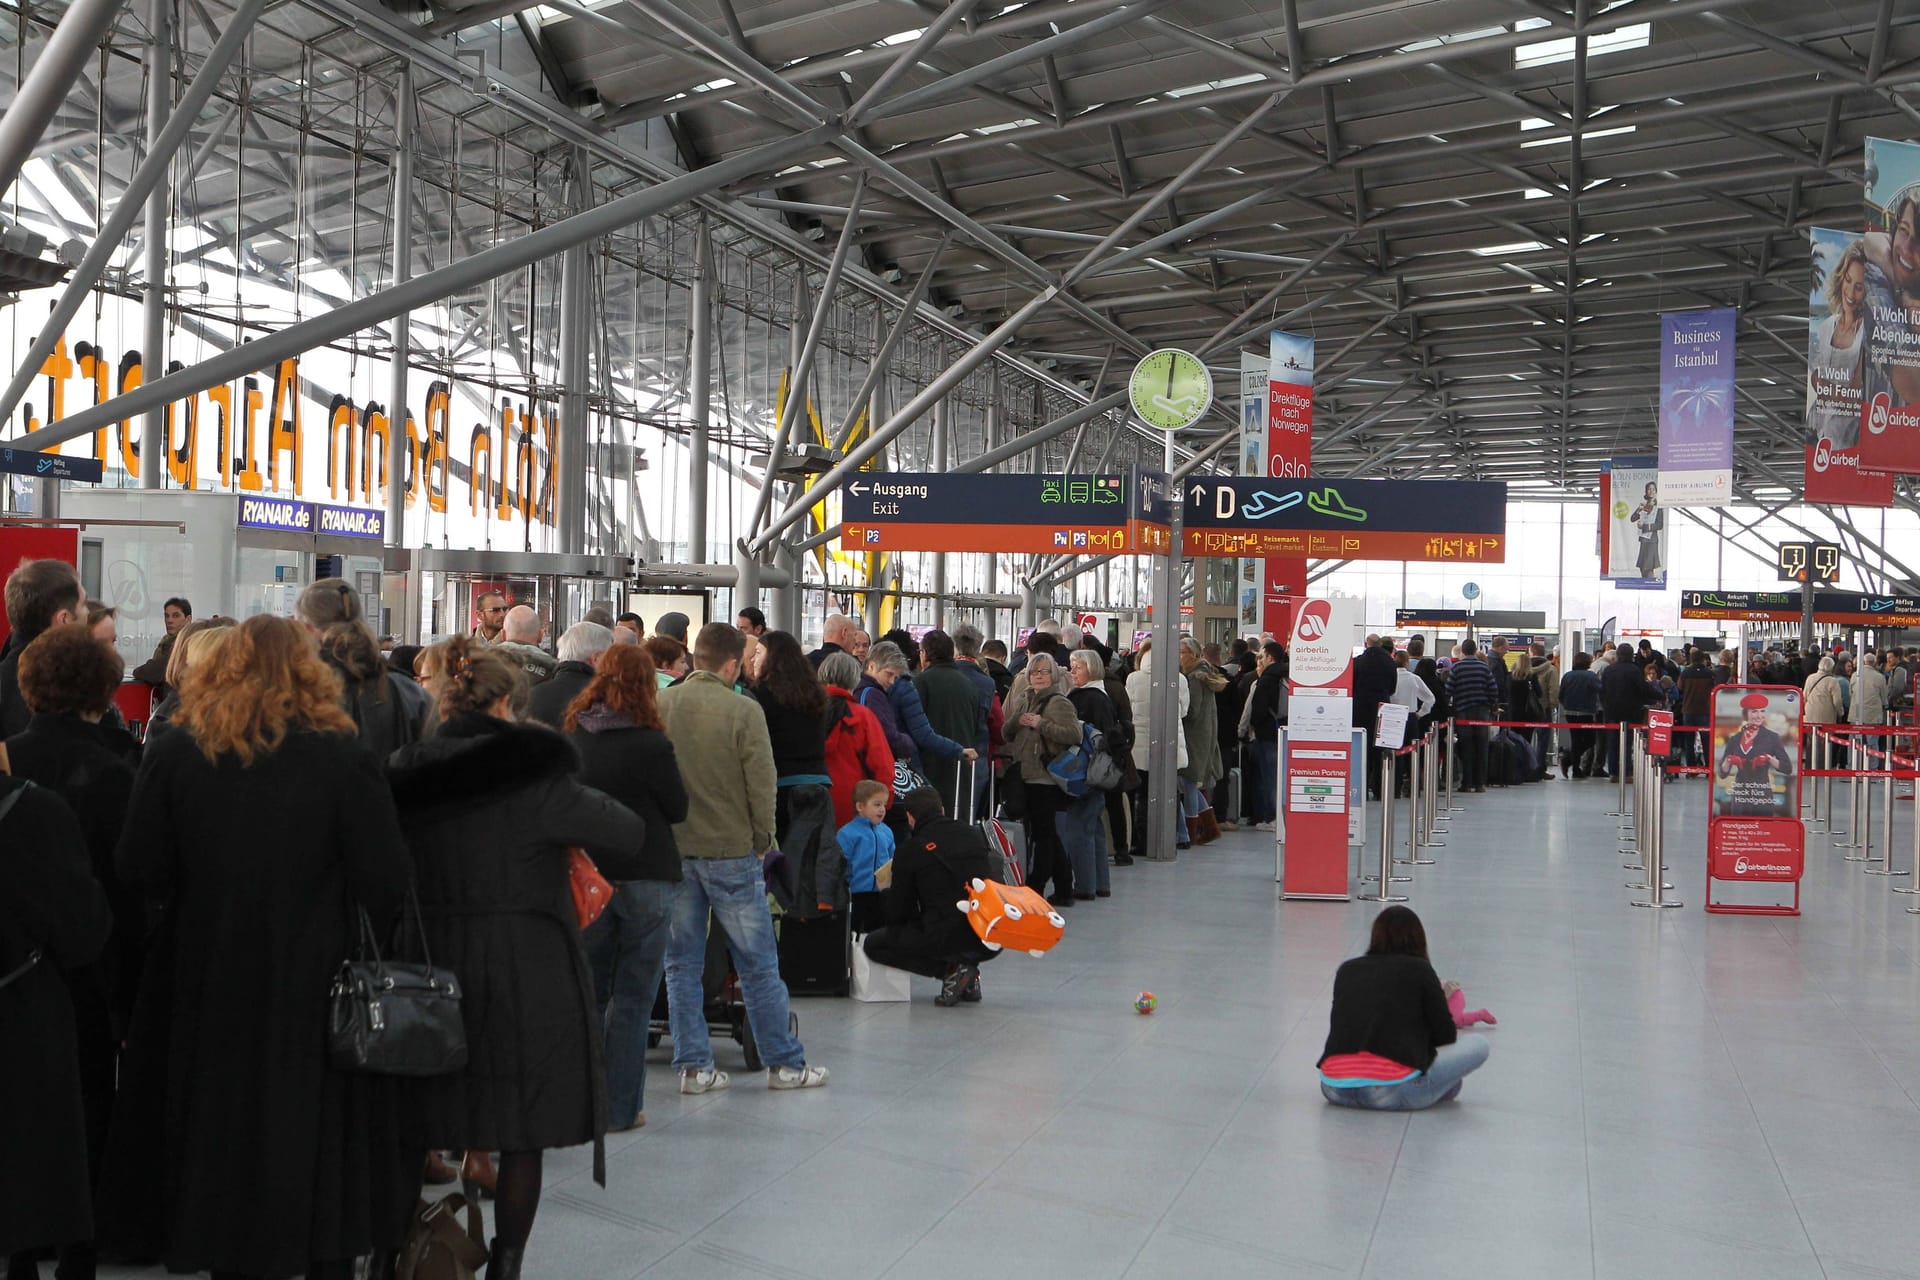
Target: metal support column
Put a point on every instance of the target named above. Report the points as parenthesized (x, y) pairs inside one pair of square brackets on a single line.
[(1164, 820), (402, 323), (746, 587), (942, 433), (576, 326), (700, 396), (153, 355)]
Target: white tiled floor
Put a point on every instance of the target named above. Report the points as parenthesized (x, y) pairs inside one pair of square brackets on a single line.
[(1670, 1093)]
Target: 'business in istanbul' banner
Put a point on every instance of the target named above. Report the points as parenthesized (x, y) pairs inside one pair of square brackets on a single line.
[(1890, 399), (1696, 408), (1836, 370)]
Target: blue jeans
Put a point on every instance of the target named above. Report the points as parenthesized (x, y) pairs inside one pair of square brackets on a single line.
[(1086, 842), (1261, 801), (627, 947), (1441, 1083), (737, 894)]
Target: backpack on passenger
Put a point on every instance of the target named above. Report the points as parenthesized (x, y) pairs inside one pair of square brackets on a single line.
[(1089, 766)]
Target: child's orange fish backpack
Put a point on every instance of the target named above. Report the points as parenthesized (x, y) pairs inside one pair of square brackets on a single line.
[(1012, 916)]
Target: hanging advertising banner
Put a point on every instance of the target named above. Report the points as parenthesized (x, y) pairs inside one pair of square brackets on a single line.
[(1289, 457), (1836, 371), (1696, 408), (1890, 395), (1317, 784), (1254, 394), (1753, 818), (1633, 526)]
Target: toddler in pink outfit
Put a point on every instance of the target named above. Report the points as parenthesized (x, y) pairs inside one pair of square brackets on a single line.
[(1457, 1006)]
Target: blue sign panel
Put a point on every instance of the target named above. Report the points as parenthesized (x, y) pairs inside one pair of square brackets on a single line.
[(290, 516), (939, 511), (283, 514), (51, 466), (1436, 520), (349, 522)]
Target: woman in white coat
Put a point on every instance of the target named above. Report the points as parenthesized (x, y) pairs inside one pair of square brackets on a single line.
[(1145, 733)]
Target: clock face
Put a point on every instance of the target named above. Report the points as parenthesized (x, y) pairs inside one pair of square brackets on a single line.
[(1170, 389)]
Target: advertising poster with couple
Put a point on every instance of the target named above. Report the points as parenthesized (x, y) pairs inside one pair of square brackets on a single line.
[(1890, 250), (1838, 325)]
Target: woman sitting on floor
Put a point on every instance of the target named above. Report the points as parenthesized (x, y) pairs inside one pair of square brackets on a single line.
[(1391, 1043)]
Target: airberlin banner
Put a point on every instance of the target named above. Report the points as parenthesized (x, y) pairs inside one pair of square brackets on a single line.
[(1890, 402), (1289, 431), (1836, 342), (1696, 408)]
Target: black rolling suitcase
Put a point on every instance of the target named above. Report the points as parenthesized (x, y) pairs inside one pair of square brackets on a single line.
[(816, 956)]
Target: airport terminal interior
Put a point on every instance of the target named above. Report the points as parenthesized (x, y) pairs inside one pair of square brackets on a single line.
[(1506, 411)]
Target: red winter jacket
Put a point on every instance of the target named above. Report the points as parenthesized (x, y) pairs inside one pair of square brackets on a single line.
[(856, 749)]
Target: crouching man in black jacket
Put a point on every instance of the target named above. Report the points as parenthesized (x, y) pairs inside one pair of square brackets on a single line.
[(926, 933)]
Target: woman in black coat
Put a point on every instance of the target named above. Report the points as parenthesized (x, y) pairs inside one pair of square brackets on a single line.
[(68, 679), (490, 809), (615, 726), (258, 824), (809, 877), (53, 916)]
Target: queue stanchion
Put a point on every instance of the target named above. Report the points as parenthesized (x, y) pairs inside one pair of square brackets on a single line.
[(1430, 794), (1820, 818), (1632, 766), (1886, 826), (1386, 879), (1620, 771), (1826, 763), (1656, 804), (1453, 757), (1863, 813), (1857, 833), (1415, 837), (1913, 884)]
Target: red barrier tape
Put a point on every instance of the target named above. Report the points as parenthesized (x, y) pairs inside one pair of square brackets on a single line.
[(1538, 724)]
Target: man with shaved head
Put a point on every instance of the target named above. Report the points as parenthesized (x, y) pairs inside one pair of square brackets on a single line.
[(520, 642), (834, 636)]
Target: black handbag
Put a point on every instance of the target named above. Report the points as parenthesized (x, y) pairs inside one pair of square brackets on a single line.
[(395, 1018)]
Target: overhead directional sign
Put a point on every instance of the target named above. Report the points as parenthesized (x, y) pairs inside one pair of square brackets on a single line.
[(1834, 608), (1036, 514), (1440, 520), (51, 466)]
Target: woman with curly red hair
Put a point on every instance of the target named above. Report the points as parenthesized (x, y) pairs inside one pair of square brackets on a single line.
[(259, 825)]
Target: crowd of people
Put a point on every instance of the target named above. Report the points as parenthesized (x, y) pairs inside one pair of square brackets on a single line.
[(178, 1103)]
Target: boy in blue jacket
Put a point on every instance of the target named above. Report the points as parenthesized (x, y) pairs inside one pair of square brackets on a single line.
[(867, 843)]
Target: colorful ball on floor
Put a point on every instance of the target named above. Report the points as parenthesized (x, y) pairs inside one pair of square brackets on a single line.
[(1144, 1002)]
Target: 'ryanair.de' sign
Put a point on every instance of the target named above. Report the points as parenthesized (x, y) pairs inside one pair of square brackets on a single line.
[(289, 516)]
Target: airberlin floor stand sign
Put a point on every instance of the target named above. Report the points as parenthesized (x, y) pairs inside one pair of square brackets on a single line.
[(1754, 834), (1314, 786)]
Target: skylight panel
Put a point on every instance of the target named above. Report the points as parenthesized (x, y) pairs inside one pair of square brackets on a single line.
[(1635, 35), (1588, 135), (1508, 250)]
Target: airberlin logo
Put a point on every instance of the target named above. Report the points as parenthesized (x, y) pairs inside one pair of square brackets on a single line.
[(1314, 621), (1878, 414), (1822, 454)]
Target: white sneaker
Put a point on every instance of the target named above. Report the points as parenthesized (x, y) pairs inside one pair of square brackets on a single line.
[(796, 1077), (705, 1080), (1263, 826)]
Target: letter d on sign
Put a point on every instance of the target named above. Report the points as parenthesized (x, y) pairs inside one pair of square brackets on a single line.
[(1223, 502)]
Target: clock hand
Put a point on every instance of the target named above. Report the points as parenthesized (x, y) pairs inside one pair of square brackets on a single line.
[(1172, 363)]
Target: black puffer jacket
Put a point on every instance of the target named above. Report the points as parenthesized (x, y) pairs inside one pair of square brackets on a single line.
[(489, 810)]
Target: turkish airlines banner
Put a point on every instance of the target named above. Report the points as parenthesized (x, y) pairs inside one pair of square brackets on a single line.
[(1696, 408), (1890, 397), (1289, 430), (1836, 371)]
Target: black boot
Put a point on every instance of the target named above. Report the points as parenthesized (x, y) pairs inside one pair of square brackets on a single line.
[(503, 1261)]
